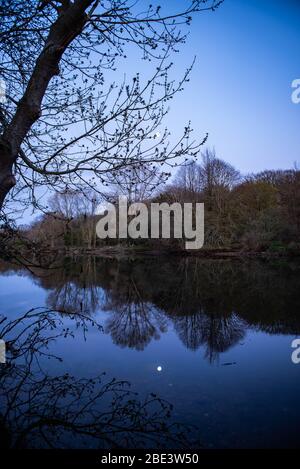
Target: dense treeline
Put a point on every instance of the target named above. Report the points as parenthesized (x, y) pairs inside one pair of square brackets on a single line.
[(258, 212)]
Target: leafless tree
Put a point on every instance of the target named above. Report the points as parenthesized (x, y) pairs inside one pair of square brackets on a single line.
[(189, 178), (216, 172), (61, 126), (76, 209), (138, 183), (208, 175)]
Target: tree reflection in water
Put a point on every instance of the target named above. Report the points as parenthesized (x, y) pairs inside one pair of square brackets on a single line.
[(210, 304), (40, 410), (133, 322), (216, 334)]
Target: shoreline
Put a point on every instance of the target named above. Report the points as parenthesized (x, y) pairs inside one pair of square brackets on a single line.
[(119, 251)]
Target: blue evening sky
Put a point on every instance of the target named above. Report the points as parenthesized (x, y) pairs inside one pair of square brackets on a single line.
[(240, 88)]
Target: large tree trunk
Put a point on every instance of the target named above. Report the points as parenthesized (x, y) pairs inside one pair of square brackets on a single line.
[(68, 25), (7, 179)]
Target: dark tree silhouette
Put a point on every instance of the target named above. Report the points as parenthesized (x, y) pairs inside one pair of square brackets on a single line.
[(216, 333), (41, 410), (61, 126), (134, 322)]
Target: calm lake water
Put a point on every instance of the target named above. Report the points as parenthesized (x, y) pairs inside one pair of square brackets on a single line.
[(203, 344)]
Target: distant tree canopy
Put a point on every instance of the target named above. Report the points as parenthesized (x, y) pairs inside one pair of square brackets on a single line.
[(62, 126), (257, 212)]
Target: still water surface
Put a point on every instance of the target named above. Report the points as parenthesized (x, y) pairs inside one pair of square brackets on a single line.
[(209, 343)]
